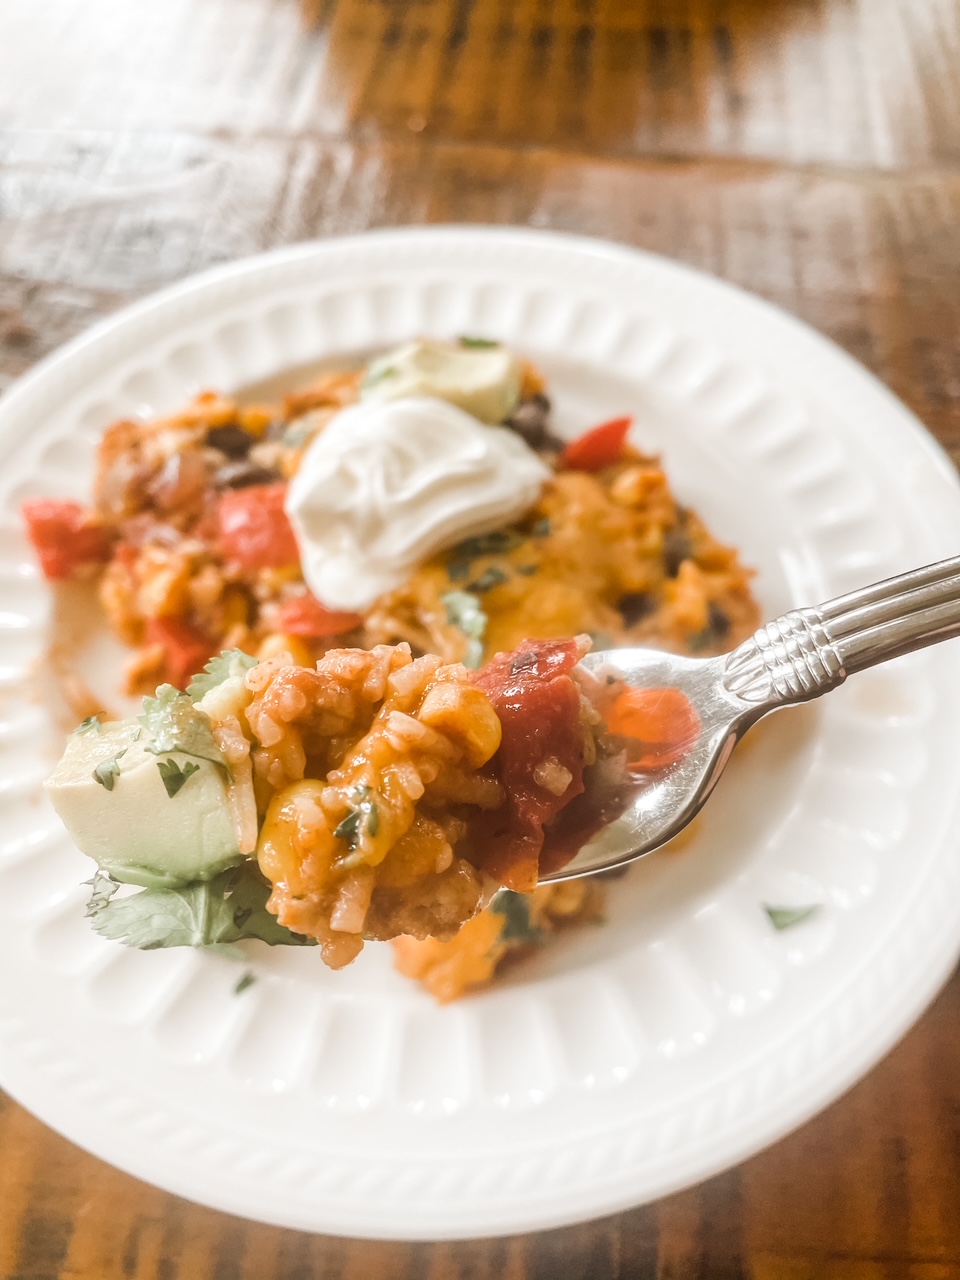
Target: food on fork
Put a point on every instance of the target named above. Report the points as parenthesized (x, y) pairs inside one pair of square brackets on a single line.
[(378, 794)]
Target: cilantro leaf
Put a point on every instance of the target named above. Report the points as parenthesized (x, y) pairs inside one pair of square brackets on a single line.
[(206, 913), (108, 771), (458, 570), (786, 917), (479, 344), (174, 776), (490, 578), (364, 814), (102, 889), (464, 611), (376, 373), (92, 724), (177, 725), (231, 662), (482, 544), (542, 528), (517, 925), (246, 980), (487, 544), (349, 829)]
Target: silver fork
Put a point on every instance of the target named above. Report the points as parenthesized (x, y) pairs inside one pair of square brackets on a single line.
[(796, 657)]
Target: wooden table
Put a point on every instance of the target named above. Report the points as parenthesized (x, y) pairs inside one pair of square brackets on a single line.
[(805, 149)]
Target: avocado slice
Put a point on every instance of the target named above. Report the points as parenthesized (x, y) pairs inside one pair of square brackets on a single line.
[(110, 793), (484, 381)]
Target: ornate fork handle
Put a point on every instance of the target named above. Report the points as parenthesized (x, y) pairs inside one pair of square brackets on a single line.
[(807, 652)]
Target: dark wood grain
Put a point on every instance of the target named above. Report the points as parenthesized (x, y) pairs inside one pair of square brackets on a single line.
[(808, 150)]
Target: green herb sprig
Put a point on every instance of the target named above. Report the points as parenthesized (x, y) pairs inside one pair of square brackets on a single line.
[(490, 578), (465, 612), (517, 924), (231, 662), (207, 913), (92, 724), (108, 771), (786, 917), (363, 817), (246, 980), (462, 556), (177, 726), (175, 775)]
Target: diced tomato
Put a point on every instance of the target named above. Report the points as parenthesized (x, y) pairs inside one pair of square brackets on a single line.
[(306, 616), (254, 531), (601, 447), (532, 661), (65, 535), (186, 649), (661, 725), (539, 709)]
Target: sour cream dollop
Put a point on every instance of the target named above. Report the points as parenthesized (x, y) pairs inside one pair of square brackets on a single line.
[(387, 484)]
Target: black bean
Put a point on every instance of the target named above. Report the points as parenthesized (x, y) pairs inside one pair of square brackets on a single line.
[(231, 440), (635, 606), (531, 420), (719, 622), (676, 548)]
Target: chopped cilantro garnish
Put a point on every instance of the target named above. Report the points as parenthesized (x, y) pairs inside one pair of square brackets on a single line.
[(542, 528), (231, 662), (178, 726), (245, 981), (364, 814), (787, 917), (490, 578), (458, 570), (484, 544), (207, 913), (464, 611), (528, 570), (487, 544), (349, 829), (102, 889), (515, 909), (92, 724), (376, 373), (108, 771), (480, 344), (174, 776)]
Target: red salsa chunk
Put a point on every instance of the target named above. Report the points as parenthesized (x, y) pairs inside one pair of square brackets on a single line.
[(255, 532), (597, 448), (67, 536), (305, 616), (540, 759), (659, 726), (185, 649)]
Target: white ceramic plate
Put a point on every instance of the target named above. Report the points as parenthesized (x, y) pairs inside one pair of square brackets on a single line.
[(625, 1061)]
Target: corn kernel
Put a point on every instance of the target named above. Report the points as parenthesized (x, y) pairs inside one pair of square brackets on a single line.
[(276, 643), (465, 715)]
